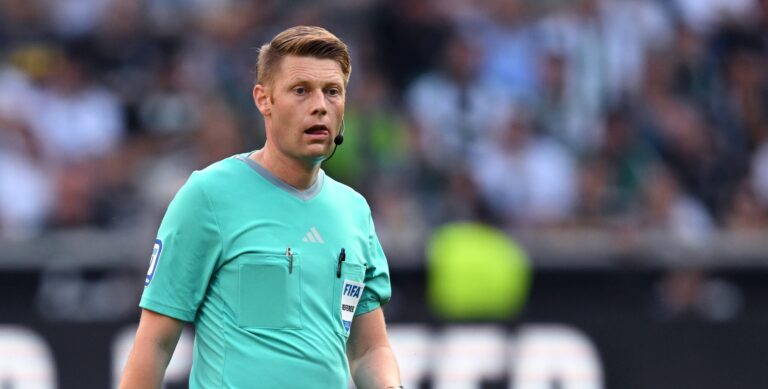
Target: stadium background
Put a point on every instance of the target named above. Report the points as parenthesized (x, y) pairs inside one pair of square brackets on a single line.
[(622, 143)]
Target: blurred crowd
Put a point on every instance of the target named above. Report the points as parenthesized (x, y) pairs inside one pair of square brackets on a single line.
[(608, 114)]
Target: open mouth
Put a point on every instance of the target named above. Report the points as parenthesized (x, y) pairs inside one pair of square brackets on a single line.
[(318, 129)]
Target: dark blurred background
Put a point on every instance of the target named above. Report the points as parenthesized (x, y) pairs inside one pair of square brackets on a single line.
[(622, 145)]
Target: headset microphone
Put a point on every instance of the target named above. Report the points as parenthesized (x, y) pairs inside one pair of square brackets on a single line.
[(337, 140)]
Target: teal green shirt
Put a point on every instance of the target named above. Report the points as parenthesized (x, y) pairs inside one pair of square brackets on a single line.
[(264, 317)]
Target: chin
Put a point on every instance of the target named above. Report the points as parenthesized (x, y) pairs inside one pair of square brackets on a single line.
[(317, 153)]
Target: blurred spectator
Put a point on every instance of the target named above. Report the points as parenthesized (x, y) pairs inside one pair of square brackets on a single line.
[(169, 161), (509, 49), (452, 108), (693, 68), (168, 17), (21, 21), (759, 174), (530, 180), (704, 15), (561, 112), (25, 196), (124, 52), (82, 119), (598, 201), (25, 190), (740, 102), (682, 139), (168, 109), (630, 30), (81, 123), (668, 209), (744, 212), (573, 84), (626, 156), (407, 35), (761, 16), (17, 97), (76, 188), (75, 18)]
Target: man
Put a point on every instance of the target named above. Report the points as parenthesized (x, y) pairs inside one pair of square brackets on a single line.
[(270, 258)]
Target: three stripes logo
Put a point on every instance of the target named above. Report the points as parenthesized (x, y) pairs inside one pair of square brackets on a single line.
[(313, 236)]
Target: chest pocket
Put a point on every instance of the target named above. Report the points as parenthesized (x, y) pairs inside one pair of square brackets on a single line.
[(269, 291), (347, 291)]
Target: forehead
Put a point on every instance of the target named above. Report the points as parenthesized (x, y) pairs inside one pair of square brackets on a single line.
[(295, 69)]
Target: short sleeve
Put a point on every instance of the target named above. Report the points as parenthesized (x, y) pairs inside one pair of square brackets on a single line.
[(377, 290), (185, 254)]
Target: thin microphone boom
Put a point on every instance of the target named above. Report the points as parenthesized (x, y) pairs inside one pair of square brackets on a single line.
[(337, 140)]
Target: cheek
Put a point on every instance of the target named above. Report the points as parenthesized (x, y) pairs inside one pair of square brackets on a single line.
[(339, 108), (283, 115), (291, 123)]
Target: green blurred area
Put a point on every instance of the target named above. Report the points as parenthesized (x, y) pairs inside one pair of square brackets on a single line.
[(476, 272)]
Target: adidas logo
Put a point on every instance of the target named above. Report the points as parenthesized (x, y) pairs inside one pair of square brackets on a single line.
[(313, 236)]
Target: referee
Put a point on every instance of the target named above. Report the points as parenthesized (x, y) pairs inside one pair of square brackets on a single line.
[(268, 257)]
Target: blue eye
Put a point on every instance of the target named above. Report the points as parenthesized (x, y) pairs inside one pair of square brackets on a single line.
[(299, 90), (334, 91)]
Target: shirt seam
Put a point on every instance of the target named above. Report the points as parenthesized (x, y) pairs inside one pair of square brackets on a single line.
[(184, 314)]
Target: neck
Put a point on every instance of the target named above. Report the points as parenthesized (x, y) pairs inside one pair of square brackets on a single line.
[(296, 173)]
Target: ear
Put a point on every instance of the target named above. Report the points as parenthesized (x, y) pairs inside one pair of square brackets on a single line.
[(261, 98)]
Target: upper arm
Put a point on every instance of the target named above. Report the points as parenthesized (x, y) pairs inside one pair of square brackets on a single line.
[(368, 331), (159, 330), (155, 343)]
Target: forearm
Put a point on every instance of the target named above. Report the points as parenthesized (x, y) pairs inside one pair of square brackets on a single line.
[(146, 366), (155, 342), (376, 369)]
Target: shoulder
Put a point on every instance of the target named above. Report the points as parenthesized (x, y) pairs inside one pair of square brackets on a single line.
[(346, 195), (206, 186), (217, 176)]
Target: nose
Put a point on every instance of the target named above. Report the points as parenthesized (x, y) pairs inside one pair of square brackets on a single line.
[(319, 104)]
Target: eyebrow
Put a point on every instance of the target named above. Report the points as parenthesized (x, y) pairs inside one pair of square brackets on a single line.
[(309, 79), (304, 82)]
